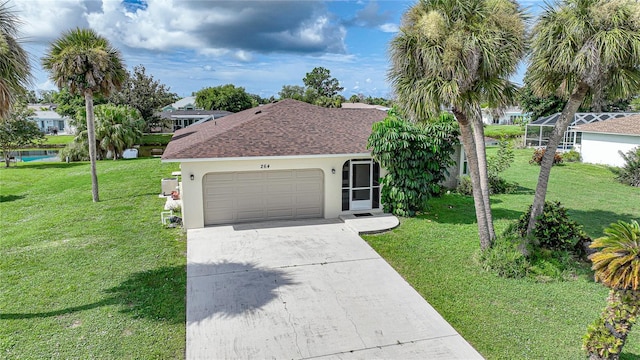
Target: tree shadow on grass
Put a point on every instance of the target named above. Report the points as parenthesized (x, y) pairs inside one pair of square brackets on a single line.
[(629, 356), (459, 209), (49, 165), (157, 294), (8, 198), (595, 221), (226, 289)]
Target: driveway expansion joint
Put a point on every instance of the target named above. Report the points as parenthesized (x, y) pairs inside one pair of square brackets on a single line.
[(285, 267), (397, 343)]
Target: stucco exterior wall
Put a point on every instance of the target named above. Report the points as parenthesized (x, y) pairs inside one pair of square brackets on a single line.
[(598, 148), (192, 190)]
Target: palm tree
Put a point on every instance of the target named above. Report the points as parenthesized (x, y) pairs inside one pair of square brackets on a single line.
[(117, 128), (459, 53), (582, 49), (86, 64), (617, 266), (15, 70)]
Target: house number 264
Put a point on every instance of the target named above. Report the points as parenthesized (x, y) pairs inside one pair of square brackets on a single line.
[(264, 166)]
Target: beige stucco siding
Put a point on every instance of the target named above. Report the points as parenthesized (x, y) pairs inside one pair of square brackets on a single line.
[(192, 190), (598, 148)]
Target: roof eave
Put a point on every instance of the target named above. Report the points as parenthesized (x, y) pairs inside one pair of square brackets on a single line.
[(248, 158)]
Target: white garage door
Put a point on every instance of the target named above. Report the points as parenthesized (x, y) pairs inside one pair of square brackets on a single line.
[(262, 195)]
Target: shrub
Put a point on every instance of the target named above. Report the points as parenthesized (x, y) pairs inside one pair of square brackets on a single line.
[(571, 156), (554, 230), (75, 151), (504, 258), (465, 187), (539, 153), (416, 158), (630, 173)]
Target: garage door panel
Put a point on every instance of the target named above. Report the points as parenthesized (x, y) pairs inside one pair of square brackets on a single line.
[(263, 195)]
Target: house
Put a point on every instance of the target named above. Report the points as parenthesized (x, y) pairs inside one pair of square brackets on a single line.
[(186, 103), (285, 160), (179, 119), (185, 113), (602, 141), (537, 133), (49, 121), (508, 116)]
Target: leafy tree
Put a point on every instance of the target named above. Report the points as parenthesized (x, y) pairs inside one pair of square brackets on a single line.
[(320, 80), (144, 93), (416, 158), (635, 104), (536, 106), (225, 97), (459, 53), (86, 64), (582, 49), (617, 266), (355, 98), (292, 92), (15, 70), (17, 130), (69, 105)]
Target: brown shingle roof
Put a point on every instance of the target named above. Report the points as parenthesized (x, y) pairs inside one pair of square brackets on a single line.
[(286, 128), (629, 125)]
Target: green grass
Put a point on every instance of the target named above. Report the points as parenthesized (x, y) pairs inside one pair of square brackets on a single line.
[(58, 139), (89, 280), (507, 318), (503, 131)]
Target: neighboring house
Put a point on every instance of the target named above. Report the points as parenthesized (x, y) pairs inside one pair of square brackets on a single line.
[(186, 103), (537, 133), (50, 122), (509, 116), (285, 160), (602, 141), (184, 113), (179, 119)]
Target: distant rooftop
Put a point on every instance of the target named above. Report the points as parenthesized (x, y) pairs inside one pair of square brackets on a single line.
[(628, 125)]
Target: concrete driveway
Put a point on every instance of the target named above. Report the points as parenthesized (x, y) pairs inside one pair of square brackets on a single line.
[(300, 290)]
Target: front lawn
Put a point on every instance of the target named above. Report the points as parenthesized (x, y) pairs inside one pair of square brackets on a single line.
[(505, 318), (82, 280)]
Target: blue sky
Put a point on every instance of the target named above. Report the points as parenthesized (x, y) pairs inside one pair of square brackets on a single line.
[(259, 45)]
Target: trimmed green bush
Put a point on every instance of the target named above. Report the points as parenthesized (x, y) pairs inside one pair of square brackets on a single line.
[(554, 230), (572, 156), (630, 173)]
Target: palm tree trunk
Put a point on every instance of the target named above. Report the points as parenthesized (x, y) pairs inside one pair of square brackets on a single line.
[(91, 132), (568, 113), (607, 335), (478, 134), (469, 146)]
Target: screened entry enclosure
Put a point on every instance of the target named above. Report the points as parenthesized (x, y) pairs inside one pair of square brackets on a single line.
[(360, 185), (537, 133)]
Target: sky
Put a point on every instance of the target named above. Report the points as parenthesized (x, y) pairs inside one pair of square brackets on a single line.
[(260, 45)]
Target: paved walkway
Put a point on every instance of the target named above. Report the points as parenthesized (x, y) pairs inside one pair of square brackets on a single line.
[(302, 290)]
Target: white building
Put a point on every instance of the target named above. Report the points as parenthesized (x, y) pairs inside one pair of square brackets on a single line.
[(603, 141)]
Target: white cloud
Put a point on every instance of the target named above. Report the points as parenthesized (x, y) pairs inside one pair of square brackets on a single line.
[(389, 28)]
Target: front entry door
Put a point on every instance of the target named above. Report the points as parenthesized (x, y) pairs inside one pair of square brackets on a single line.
[(361, 184)]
